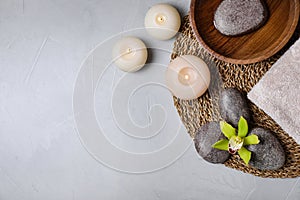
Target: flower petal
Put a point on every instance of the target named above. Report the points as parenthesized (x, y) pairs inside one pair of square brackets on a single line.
[(251, 139), (245, 154), (227, 129), (242, 127), (221, 145)]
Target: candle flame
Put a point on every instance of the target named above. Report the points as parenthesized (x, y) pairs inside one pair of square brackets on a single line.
[(161, 19), (186, 77)]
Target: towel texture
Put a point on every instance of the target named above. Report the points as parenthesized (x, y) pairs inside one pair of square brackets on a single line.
[(278, 92)]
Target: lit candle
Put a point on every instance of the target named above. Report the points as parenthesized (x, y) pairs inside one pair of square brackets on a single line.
[(130, 54), (162, 21), (187, 77)]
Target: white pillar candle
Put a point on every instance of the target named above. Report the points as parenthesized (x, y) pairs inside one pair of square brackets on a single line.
[(162, 21), (130, 54), (187, 77)]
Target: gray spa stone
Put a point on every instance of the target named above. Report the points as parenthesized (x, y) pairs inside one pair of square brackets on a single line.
[(233, 105), (237, 17), (268, 154), (205, 137)]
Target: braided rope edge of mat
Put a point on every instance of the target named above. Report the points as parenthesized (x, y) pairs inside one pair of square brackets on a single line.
[(197, 112)]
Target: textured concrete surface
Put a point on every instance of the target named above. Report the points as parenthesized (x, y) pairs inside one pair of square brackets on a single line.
[(43, 44)]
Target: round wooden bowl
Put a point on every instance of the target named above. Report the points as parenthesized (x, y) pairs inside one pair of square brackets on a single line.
[(249, 48)]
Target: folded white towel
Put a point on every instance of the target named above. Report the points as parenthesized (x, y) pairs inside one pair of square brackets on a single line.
[(278, 92)]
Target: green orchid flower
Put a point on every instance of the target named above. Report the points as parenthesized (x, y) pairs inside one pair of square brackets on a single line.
[(236, 142)]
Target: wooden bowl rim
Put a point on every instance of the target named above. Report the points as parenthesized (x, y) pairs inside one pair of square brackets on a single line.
[(266, 53)]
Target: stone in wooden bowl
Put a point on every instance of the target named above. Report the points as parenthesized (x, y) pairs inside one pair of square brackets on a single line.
[(249, 47), (238, 17)]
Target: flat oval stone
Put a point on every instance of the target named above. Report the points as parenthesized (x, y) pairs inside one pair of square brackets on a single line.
[(237, 17), (205, 137), (268, 154), (233, 105)]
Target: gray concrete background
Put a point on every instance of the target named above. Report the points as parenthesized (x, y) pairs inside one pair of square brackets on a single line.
[(43, 46)]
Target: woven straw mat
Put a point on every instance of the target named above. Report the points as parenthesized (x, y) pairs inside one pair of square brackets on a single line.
[(195, 113)]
